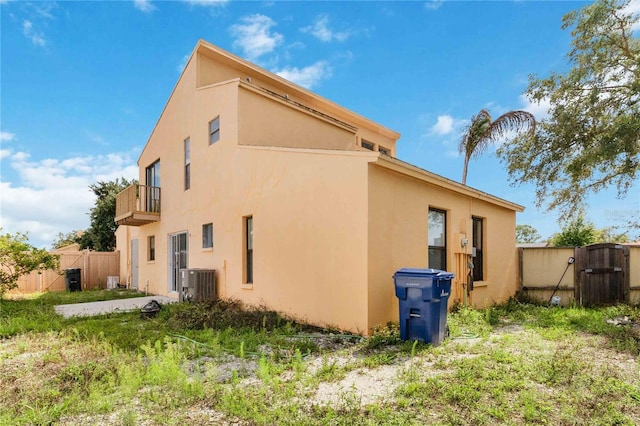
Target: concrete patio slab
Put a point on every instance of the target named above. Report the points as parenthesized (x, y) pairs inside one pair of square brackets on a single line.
[(109, 306)]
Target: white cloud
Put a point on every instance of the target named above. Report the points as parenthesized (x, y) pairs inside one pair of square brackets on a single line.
[(4, 153), (36, 37), (38, 16), (6, 136), (309, 76), (443, 126), (44, 9), (144, 5), (433, 4), (206, 3), (253, 35), (633, 8), (540, 110), (52, 195), (320, 29)]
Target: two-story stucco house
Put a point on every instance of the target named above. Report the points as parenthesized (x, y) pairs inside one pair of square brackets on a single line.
[(299, 204)]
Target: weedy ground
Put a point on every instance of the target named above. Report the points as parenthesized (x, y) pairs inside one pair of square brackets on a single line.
[(223, 363)]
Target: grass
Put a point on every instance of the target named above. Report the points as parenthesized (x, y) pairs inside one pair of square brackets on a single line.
[(223, 363)]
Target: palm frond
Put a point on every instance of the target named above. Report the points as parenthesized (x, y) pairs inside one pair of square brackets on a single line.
[(474, 139), (482, 131), (512, 120)]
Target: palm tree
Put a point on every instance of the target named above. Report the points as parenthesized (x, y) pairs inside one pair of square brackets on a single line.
[(483, 130)]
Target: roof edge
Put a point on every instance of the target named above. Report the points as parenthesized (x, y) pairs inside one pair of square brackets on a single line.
[(416, 172), (357, 118)]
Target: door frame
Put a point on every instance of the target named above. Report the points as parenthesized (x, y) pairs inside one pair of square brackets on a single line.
[(135, 263), (178, 259)]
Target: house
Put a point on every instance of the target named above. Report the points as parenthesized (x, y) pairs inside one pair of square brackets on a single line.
[(299, 204)]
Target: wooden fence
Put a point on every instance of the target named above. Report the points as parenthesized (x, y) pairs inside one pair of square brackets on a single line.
[(601, 274), (94, 267)]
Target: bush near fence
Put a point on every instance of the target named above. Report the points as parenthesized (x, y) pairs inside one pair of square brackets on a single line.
[(95, 267)]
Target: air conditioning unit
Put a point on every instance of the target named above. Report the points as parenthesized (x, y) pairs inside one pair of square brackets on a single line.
[(197, 285)]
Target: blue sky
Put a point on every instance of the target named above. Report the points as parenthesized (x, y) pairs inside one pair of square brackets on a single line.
[(83, 83)]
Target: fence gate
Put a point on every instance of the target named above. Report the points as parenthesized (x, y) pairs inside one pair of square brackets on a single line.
[(602, 274)]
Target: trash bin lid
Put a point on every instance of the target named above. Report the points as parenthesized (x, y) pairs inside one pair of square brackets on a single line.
[(419, 272)]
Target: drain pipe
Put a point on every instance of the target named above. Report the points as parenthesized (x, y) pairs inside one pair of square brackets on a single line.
[(569, 263)]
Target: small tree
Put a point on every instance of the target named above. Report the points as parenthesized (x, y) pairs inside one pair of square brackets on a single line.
[(18, 258), (101, 234), (577, 233), (527, 234), (610, 234), (62, 240)]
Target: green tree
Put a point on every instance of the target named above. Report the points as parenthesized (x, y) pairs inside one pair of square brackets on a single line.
[(62, 240), (577, 232), (527, 234), (590, 141), (18, 258), (101, 233), (610, 234), (483, 130)]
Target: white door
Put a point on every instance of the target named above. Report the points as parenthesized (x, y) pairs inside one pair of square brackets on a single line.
[(134, 264)]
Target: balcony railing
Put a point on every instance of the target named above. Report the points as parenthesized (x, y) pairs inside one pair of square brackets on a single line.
[(138, 205)]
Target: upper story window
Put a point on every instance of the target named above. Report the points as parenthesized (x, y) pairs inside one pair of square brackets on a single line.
[(152, 174), (214, 130), (384, 151), (151, 194), (367, 145), (437, 236), (187, 163)]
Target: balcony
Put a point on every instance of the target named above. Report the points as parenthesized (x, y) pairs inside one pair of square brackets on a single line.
[(138, 205)]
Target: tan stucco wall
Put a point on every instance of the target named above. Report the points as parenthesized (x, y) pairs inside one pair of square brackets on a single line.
[(124, 234), (398, 226), (266, 121), (309, 236), (543, 267)]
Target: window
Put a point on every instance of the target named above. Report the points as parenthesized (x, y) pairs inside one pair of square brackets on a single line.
[(151, 248), (207, 235), (152, 192), (368, 145), (153, 174), (384, 151), (214, 130), (187, 163), (437, 236), (248, 245), (478, 260)]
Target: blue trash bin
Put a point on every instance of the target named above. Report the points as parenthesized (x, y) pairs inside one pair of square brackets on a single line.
[(423, 296)]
